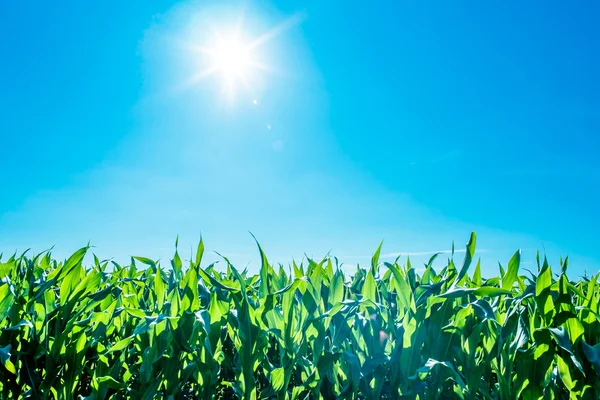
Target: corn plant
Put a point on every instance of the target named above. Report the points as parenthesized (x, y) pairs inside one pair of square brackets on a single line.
[(310, 331)]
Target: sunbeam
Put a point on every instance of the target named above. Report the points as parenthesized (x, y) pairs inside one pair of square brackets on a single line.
[(233, 57)]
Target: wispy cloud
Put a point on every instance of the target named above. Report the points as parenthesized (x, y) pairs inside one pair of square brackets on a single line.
[(419, 253), (425, 253)]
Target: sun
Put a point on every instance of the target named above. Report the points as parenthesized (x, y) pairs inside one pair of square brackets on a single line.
[(233, 58), (230, 57)]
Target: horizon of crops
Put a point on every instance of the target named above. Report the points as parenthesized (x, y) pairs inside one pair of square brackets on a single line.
[(146, 331)]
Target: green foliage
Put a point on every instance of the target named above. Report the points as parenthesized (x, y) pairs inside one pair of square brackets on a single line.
[(389, 331)]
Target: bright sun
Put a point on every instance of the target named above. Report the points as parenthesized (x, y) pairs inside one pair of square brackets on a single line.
[(231, 58), (234, 58)]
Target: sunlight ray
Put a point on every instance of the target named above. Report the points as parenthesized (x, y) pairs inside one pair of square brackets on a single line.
[(230, 55), (277, 30)]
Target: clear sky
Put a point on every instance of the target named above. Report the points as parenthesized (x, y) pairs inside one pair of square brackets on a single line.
[(407, 121)]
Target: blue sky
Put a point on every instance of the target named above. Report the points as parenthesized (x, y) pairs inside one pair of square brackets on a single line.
[(409, 122)]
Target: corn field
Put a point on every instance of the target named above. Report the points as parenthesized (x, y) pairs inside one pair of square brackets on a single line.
[(310, 331)]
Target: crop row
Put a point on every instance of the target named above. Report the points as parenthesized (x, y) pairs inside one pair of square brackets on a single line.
[(311, 331)]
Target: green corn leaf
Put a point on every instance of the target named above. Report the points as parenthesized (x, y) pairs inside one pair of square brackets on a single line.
[(176, 261), (277, 378), (469, 254), (369, 290), (146, 261), (81, 343), (592, 353), (375, 259), (23, 323), (159, 289), (110, 382), (511, 275), (5, 359), (199, 253), (73, 261), (265, 276), (477, 274), (490, 291), (120, 345), (564, 371), (562, 339), (544, 280)]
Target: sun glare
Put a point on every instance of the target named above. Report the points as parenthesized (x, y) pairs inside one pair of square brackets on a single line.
[(230, 58), (233, 57)]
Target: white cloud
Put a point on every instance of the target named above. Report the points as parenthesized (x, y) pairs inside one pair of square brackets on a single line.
[(425, 253)]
